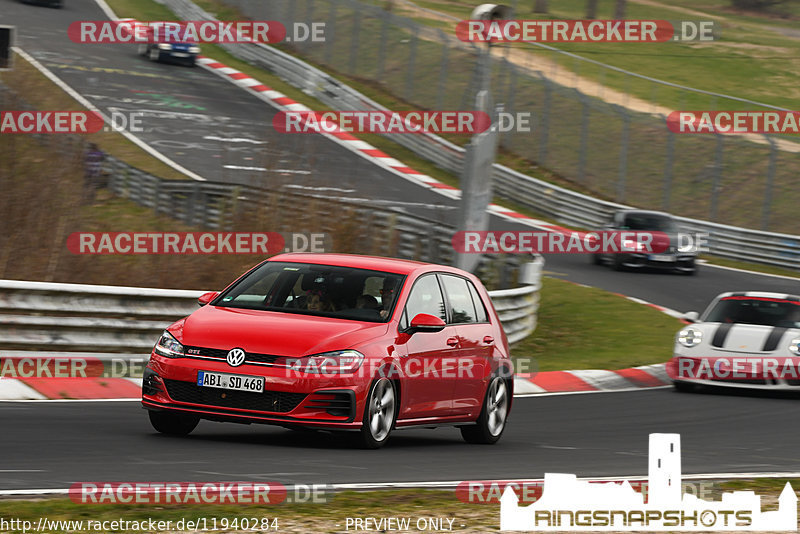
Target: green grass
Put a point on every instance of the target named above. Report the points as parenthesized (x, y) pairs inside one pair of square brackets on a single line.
[(588, 328)]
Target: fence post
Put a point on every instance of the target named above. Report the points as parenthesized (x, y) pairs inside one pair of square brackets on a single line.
[(545, 125), (670, 159), (715, 184), (507, 137), (330, 30), (773, 156), (354, 43), (382, 44), (442, 71), (412, 55), (623, 157), (584, 138)]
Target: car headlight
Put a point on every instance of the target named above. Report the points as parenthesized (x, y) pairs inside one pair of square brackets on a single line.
[(794, 346), (168, 346), (327, 363), (690, 337), (194, 49), (164, 46)]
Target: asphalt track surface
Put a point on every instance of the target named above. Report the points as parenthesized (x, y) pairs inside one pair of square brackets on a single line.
[(51, 445), (54, 444)]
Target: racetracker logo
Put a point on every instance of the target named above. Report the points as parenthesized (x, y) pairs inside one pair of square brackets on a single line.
[(734, 122), (198, 31), (196, 242), (732, 368), (573, 242), (585, 31), (382, 122), (568, 504)]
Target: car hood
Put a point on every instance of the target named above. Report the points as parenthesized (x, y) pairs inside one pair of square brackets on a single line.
[(746, 338), (269, 332)]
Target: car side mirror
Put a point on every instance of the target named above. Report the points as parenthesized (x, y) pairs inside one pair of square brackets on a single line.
[(423, 322), (205, 298), (691, 316)]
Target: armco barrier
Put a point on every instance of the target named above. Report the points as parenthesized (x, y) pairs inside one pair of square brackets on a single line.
[(50, 318), (567, 207)]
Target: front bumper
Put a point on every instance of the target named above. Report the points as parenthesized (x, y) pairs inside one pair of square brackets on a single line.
[(289, 398), (750, 373), (681, 263)]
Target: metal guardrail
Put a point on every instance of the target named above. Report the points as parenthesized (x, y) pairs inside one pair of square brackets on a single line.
[(563, 205), (126, 321)]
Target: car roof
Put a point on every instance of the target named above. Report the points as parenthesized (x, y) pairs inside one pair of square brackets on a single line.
[(357, 261)]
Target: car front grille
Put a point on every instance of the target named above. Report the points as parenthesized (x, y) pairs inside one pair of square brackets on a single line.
[(222, 354), (269, 401)]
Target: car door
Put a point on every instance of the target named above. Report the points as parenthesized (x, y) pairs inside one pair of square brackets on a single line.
[(476, 342), (426, 392)]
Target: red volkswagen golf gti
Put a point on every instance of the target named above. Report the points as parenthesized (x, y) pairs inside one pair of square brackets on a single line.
[(337, 342)]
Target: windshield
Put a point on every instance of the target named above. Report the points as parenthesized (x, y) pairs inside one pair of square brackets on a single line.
[(310, 289), (640, 221), (756, 310)]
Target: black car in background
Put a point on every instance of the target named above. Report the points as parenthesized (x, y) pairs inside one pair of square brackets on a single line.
[(672, 259)]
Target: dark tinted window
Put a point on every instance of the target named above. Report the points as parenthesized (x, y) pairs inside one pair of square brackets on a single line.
[(649, 221), (756, 310), (426, 297), (462, 310)]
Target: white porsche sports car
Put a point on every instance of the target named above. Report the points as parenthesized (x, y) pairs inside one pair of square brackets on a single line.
[(749, 340)]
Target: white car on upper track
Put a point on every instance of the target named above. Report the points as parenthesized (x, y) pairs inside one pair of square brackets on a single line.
[(748, 339)]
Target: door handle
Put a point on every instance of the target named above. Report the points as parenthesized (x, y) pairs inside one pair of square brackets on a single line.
[(488, 340), (452, 341)]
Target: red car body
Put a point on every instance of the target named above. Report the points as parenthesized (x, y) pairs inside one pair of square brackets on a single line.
[(436, 377)]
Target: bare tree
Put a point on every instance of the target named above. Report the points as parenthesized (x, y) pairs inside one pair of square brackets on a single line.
[(540, 6), (591, 9)]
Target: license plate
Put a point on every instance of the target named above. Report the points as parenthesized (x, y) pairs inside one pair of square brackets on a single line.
[(253, 384), (180, 54), (662, 257)]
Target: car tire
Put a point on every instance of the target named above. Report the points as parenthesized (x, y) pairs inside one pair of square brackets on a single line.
[(597, 259), (380, 413), (683, 387), (155, 54), (173, 424), (143, 49), (618, 263), (494, 414)]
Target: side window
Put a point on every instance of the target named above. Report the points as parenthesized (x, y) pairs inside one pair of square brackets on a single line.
[(480, 310), (426, 297), (461, 308)]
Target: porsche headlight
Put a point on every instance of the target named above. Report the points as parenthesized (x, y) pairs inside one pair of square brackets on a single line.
[(194, 49), (164, 46), (340, 361), (168, 346), (794, 346), (690, 337)]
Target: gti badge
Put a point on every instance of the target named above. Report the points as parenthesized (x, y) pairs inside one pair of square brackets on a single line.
[(235, 357)]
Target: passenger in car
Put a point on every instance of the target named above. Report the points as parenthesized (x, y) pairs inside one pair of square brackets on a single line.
[(318, 300)]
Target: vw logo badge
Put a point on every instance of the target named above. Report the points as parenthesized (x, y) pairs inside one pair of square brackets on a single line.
[(235, 357)]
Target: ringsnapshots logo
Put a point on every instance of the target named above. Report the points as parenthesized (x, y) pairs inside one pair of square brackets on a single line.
[(568, 504)]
